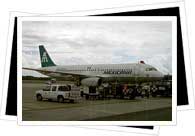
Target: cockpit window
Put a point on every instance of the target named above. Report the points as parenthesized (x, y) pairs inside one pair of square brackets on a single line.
[(151, 69)]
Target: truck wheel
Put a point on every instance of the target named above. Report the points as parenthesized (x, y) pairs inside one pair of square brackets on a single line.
[(60, 99), (39, 97)]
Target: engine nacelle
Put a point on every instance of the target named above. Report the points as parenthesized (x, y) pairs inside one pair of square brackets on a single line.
[(91, 81)]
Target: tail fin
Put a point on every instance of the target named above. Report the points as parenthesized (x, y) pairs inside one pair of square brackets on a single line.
[(45, 58)]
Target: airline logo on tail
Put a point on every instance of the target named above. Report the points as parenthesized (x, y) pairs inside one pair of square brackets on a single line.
[(44, 57)]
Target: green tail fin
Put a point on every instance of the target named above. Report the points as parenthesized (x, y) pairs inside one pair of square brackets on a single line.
[(45, 58)]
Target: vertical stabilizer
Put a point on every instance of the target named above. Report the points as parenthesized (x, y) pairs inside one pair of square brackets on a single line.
[(46, 61)]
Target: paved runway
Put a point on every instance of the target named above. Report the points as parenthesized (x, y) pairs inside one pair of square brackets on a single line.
[(140, 109)]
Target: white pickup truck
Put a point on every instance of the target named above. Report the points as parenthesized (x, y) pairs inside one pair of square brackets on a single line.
[(59, 93)]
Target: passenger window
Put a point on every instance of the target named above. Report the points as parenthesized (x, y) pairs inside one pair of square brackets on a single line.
[(53, 88)]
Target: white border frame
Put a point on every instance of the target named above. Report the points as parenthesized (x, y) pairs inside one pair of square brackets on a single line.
[(180, 4), (174, 70), (88, 12)]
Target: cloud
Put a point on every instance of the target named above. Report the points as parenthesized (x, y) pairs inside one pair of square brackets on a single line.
[(98, 42)]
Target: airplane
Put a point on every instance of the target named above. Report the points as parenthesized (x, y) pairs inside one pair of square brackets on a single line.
[(96, 74)]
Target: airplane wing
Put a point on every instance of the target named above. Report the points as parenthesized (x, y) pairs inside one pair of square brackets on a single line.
[(47, 72), (51, 71)]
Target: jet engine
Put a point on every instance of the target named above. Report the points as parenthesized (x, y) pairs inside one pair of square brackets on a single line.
[(92, 81)]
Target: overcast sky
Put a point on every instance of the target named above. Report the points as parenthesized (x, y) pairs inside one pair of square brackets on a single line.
[(98, 42)]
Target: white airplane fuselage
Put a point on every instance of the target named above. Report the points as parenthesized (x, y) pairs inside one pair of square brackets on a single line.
[(108, 72)]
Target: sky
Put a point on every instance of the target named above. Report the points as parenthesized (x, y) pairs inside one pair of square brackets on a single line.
[(98, 42)]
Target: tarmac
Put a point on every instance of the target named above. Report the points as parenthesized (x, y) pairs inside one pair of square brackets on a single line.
[(140, 109)]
